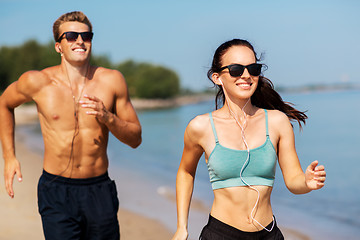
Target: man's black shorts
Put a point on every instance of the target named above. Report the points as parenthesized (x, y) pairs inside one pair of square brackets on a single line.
[(78, 209)]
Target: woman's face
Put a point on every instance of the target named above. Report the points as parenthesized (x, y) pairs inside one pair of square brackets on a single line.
[(241, 87)]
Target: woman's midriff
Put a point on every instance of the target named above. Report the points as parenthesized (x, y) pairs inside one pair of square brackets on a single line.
[(234, 206)]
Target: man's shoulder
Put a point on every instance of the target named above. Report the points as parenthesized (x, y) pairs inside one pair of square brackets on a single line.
[(107, 72), (31, 78), (31, 74), (38, 75), (110, 77), (34, 80)]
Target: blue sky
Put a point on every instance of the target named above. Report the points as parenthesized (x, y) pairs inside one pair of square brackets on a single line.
[(304, 42)]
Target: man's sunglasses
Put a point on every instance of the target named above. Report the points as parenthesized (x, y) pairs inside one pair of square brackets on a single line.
[(236, 70), (73, 36)]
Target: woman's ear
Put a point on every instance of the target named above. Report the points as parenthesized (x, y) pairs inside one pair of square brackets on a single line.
[(216, 79)]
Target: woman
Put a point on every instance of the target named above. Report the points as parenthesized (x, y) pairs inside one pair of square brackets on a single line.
[(242, 141)]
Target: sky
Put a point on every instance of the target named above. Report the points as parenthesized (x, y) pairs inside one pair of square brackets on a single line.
[(302, 42)]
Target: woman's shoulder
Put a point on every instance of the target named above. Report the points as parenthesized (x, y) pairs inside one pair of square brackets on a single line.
[(277, 114), (198, 130), (278, 118), (199, 121), (198, 125)]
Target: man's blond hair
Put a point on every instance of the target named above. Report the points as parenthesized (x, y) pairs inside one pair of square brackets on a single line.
[(75, 16)]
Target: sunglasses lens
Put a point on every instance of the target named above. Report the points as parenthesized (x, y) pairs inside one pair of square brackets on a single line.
[(71, 36), (254, 69), (236, 70), (87, 36)]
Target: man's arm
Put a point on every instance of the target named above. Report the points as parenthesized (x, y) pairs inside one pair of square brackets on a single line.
[(123, 122), (12, 97)]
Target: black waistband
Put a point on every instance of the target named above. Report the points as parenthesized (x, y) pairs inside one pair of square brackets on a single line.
[(75, 181), (222, 227)]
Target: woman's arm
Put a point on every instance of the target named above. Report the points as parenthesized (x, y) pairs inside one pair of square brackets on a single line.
[(185, 178), (295, 179)]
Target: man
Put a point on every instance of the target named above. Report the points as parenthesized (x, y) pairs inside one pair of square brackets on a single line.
[(78, 105)]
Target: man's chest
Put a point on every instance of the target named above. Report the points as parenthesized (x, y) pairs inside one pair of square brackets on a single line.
[(58, 103)]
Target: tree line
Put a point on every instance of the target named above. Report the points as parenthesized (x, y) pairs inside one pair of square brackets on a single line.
[(144, 80)]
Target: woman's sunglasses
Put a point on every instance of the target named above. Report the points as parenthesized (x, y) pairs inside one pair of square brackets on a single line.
[(73, 36), (236, 70)]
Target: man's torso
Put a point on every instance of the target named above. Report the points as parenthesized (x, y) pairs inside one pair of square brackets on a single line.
[(74, 146)]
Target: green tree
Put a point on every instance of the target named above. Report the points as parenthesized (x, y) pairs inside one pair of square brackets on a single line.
[(157, 82), (149, 81)]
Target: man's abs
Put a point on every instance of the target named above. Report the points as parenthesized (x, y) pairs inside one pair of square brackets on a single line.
[(76, 154)]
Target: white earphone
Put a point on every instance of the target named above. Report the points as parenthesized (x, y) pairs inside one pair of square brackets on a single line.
[(242, 127), (60, 51)]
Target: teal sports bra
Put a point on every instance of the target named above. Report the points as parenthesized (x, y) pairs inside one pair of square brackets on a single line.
[(224, 164)]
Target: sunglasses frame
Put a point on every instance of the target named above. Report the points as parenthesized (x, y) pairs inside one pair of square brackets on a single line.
[(64, 35), (242, 72)]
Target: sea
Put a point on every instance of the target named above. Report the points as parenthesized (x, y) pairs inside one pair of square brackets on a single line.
[(146, 176)]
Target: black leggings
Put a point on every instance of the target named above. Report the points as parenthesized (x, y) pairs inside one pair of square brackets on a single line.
[(217, 230)]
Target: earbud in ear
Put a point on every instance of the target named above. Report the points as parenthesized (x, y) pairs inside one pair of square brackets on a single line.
[(220, 81), (60, 51)]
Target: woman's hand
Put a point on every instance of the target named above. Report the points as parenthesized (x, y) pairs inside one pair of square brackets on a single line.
[(315, 176)]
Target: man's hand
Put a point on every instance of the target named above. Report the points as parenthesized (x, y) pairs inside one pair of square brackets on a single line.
[(180, 234), (96, 108), (11, 168)]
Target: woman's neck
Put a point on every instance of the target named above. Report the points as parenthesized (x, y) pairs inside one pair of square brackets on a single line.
[(241, 107)]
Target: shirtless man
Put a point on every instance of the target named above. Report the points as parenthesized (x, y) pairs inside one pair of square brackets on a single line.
[(78, 105)]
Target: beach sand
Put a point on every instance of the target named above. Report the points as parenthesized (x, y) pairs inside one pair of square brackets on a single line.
[(20, 218)]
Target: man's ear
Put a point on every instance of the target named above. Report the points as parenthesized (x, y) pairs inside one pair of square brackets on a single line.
[(58, 47)]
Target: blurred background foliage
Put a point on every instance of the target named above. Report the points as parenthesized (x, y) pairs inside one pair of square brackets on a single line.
[(144, 80)]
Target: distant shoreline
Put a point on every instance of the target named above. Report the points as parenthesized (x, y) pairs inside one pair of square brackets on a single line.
[(319, 88), (145, 104)]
